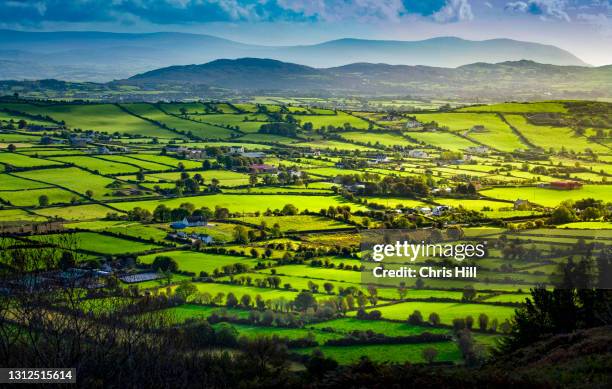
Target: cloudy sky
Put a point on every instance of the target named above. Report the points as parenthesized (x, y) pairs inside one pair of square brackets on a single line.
[(583, 27)]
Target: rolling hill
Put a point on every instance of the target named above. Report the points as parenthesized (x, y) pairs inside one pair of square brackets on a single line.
[(514, 79), (103, 56)]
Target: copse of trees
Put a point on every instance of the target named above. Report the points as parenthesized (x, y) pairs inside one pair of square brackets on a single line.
[(279, 128)]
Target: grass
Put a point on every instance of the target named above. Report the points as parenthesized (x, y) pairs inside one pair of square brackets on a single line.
[(297, 222), (197, 262), (447, 311), (378, 137), (104, 244), (245, 203), (76, 212), (250, 331), (30, 197), (252, 125), (443, 140), (226, 177), (508, 298), (556, 138), (101, 165), (549, 197), (19, 160), (543, 106), (337, 120), (588, 225), (398, 353), (133, 229), (17, 184), (388, 328), (166, 160), (139, 163), (73, 178), (99, 117), (18, 215), (474, 205), (200, 130), (192, 311), (265, 293), (395, 202), (332, 145)]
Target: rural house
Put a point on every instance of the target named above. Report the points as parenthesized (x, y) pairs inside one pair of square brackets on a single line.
[(259, 168), (417, 154), (565, 185), (189, 221)]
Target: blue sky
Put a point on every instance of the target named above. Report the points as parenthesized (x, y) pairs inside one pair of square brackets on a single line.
[(583, 27)]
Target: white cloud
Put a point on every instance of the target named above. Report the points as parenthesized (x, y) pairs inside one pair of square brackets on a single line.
[(546, 9), (454, 10), (359, 10)]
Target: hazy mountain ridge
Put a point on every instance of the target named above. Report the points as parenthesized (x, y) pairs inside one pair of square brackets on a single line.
[(101, 56), (511, 79)]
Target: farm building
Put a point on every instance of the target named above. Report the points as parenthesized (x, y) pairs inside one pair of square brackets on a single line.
[(189, 221), (440, 210), (478, 150), (522, 205), (412, 124), (253, 154), (191, 238), (565, 185), (263, 168), (195, 154), (417, 154)]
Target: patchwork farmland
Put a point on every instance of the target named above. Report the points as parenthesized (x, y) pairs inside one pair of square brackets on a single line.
[(249, 214)]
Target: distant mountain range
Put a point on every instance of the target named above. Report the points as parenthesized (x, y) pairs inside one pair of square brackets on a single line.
[(102, 56), (507, 80)]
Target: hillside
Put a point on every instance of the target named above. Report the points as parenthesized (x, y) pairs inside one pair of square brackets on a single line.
[(102, 56), (511, 80)]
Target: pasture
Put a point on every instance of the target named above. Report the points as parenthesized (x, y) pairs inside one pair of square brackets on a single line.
[(246, 203), (197, 262), (447, 311)]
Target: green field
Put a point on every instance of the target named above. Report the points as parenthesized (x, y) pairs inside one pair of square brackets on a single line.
[(557, 138), (18, 160), (197, 262), (127, 228), (372, 139), (447, 351), (103, 166), (337, 120), (94, 192), (76, 212), (107, 118), (297, 223), (447, 311), (200, 130), (549, 197), (518, 107), (105, 244), (443, 140), (30, 197), (246, 203), (74, 179)]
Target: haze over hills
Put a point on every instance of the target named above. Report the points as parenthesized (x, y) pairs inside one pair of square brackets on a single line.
[(103, 56), (511, 79)]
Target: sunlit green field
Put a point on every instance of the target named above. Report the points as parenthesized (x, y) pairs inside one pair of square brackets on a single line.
[(246, 203), (100, 117)]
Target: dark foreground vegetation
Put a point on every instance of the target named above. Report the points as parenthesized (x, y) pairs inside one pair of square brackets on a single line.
[(561, 338)]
